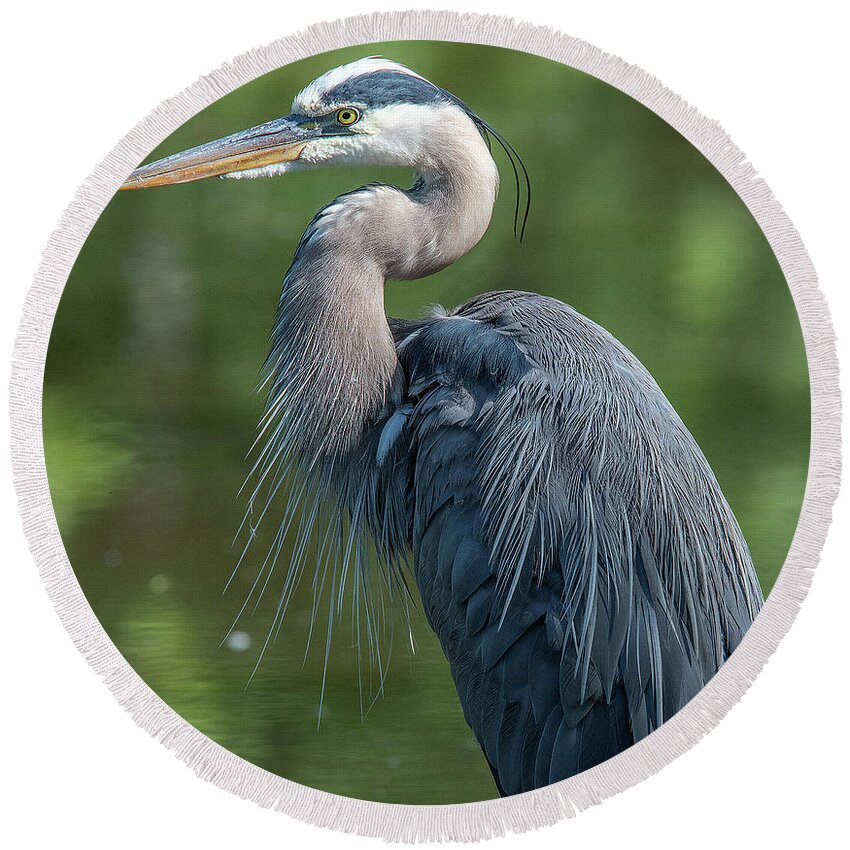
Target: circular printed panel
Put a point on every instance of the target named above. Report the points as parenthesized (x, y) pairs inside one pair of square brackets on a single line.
[(463, 552)]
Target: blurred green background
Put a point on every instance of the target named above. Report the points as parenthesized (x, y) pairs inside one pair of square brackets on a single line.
[(149, 403)]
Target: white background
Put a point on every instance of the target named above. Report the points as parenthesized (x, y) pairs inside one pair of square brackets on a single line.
[(77, 76)]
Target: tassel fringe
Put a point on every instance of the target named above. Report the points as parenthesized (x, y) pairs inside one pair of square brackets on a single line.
[(469, 821)]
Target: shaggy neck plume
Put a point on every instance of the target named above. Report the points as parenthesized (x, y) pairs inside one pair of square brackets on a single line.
[(333, 360)]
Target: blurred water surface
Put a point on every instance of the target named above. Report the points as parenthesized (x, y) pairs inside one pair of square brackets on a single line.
[(149, 403)]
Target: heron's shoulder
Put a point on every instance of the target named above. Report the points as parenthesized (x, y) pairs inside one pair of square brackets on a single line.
[(452, 343), (547, 328), (527, 308), (510, 333)]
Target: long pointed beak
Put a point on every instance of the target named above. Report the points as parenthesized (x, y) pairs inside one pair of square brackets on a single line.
[(281, 140)]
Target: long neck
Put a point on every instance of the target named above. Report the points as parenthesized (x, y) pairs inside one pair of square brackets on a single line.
[(333, 361)]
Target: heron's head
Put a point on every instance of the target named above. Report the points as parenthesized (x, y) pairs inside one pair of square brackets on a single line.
[(369, 112)]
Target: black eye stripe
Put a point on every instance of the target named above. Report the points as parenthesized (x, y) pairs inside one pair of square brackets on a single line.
[(382, 88)]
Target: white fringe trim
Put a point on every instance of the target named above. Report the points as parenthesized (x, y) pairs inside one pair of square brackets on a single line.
[(469, 821)]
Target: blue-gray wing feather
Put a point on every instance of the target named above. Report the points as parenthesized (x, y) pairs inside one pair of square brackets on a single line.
[(573, 551)]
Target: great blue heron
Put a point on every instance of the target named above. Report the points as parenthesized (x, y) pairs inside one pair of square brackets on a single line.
[(572, 548)]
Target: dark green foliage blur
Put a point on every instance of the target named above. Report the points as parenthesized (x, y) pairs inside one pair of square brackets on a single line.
[(150, 408)]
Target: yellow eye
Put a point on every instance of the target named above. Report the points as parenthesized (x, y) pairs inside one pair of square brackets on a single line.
[(347, 116)]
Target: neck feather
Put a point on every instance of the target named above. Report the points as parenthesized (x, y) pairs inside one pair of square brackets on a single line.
[(333, 362)]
